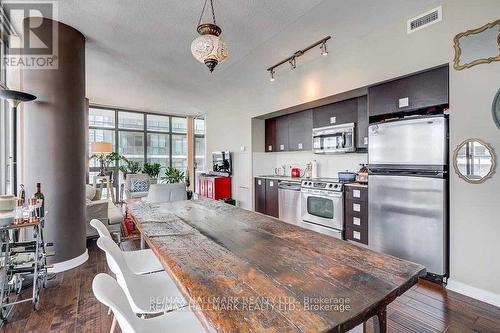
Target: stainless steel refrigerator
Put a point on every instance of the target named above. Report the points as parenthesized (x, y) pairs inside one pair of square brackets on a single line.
[(408, 190)]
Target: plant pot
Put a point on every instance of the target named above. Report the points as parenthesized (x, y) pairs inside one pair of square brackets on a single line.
[(153, 180)]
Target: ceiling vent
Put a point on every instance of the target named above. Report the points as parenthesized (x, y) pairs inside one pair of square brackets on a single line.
[(424, 20)]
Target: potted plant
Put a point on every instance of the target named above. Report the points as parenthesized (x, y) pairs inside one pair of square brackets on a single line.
[(173, 175), (129, 167), (153, 171)]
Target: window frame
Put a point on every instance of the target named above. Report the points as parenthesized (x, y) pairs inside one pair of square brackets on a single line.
[(145, 132)]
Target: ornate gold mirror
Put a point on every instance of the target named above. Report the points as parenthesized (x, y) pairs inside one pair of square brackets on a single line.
[(474, 161), (477, 46)]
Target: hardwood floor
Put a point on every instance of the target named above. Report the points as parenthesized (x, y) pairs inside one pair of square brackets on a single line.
[(68, 305)]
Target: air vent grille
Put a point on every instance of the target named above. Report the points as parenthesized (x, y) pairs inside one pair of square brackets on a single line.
[(424, 20)]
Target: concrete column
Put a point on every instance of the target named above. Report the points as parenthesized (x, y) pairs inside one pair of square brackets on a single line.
[(54, 145)]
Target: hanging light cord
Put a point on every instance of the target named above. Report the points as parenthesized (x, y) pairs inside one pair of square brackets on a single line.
[(203, 11)]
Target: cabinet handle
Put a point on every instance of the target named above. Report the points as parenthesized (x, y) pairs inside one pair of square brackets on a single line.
[(356, 235), (299, 146), (356, 207), (270, 148), (282, 147), (356, 221), (259, 182), (356, 194), (271, 183), (333, 120)]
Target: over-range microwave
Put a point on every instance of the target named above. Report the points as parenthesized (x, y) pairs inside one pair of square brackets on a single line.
[(334, 139)]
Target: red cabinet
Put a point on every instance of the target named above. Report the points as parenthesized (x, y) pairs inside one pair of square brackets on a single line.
[(215, 187)]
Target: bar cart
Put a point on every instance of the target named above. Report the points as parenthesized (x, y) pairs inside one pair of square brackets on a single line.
[(23, 263)]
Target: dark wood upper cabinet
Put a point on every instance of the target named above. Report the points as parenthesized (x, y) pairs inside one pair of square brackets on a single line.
[(362, 123), (260, 195), (282, 126), (270, 140), (272, 204), (336, 114), (300, 130), (410, 93)]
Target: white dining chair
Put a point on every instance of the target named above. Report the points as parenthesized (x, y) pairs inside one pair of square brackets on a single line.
[(109, 293), (140, 261), (142, 290)]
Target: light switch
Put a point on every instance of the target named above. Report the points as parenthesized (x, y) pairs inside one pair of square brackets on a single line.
[(404, 102), (333, 120)]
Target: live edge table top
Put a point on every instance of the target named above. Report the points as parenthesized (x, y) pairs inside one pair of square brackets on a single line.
[(246, 272)]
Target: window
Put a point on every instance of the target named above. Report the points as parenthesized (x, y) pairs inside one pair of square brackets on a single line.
[(131, 145), (141, 137), (158, 150), (179, 151), (158, 123), (199, 149), (179, 125), (131, 120), (100, 135), (101, 118)]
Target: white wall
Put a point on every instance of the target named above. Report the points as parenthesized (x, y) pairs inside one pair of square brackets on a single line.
[(370, 44)]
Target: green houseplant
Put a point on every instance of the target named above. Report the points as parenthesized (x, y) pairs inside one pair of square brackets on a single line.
[(173, 175), (129, 167), (152, 170)]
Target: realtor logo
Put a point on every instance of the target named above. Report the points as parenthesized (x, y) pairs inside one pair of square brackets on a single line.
[(32, 33)]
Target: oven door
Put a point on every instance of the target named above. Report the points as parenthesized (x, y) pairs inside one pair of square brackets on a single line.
[(324, 209)]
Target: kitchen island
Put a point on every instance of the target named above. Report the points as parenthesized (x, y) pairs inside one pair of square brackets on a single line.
[(246, 272)]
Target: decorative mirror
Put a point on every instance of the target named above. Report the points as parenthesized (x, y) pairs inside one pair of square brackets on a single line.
[(495, 109), (474, 161), (477, 46)]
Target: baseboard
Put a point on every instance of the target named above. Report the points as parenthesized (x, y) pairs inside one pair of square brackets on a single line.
[(69, 264), (477, 293)]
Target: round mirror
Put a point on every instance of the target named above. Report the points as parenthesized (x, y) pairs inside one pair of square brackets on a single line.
[(474, 161), (495, 109)]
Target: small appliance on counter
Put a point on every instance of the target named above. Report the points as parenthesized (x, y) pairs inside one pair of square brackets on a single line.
[(362, 176), (296, 173), (346, 176)]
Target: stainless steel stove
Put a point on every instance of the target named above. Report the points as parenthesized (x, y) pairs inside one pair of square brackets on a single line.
[(323, 206)]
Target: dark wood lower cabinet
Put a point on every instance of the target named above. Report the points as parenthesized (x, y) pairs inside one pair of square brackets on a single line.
[(356, 214), (260, 195), (272, 205), (266, 196)]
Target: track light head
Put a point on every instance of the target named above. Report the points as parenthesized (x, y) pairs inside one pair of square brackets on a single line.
[(272, 75), (293, 63), (324, 50)]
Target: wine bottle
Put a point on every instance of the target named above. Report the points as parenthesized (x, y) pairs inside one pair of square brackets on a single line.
[(39, 196)]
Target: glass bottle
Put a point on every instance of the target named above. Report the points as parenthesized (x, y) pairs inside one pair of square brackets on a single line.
[(39, 196)]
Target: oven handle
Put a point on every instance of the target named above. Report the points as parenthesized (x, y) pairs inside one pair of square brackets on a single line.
[(329, 195)]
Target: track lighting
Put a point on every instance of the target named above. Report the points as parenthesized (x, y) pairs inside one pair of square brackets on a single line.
[(324, 50), (292, 60), (272, 75)]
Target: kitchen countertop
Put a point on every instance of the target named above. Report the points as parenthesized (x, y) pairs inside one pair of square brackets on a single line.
[(246, 272), (356, 184), (287, 178)]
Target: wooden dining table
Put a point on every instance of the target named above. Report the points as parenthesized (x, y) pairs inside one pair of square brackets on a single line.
[(247, 272)]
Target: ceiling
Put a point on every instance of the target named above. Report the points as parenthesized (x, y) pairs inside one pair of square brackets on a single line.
[(138, 52)]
